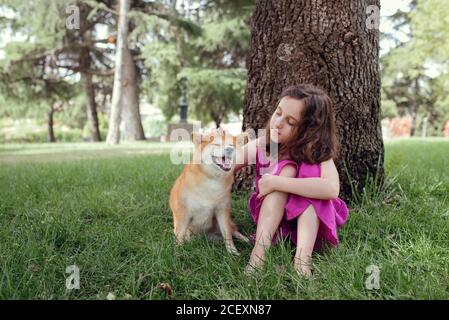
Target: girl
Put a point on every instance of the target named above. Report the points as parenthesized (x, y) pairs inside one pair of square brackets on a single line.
[(297, 187)]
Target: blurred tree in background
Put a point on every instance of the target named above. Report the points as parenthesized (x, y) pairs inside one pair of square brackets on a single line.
[(52, 50), (208, 62), (192, 49), (415, 72)]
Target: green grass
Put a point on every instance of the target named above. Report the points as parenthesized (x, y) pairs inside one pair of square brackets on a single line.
[(107, 212)]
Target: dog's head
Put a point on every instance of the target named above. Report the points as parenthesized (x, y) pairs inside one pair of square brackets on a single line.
[(216, 151)]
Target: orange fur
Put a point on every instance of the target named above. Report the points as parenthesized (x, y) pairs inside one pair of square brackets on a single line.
[(200, 199)]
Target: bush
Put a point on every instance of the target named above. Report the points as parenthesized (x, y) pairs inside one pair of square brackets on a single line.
[(74, 135), (154, 126), (24, 136)]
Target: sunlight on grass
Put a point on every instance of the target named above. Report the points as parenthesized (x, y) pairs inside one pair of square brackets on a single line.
[(77, 151)]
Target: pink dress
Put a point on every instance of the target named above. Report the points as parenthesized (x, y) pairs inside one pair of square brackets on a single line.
[(331, 213)]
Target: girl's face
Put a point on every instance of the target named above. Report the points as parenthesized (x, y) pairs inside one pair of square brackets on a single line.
[(284, 119)]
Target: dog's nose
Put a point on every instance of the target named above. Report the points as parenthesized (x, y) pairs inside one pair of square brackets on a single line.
[(229, 151)]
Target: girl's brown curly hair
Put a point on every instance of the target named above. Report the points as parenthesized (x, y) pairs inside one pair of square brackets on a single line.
[(314, 136)]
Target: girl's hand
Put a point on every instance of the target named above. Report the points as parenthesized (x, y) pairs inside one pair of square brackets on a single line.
[(266, 185)]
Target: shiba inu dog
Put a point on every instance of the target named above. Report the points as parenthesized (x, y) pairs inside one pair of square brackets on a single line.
[(201, 196)]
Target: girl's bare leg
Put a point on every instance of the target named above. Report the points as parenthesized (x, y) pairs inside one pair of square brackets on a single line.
[(270, 217), (308, 224)]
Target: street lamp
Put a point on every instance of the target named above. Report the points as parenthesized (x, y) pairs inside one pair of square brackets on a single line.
[(183, 105)]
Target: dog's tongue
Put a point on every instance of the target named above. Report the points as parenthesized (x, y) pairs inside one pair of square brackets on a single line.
[(226, 162)]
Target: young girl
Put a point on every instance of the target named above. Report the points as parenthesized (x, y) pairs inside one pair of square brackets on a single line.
[(297, 187)]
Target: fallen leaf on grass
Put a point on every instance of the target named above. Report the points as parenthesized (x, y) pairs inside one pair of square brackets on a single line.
[(166, 288)]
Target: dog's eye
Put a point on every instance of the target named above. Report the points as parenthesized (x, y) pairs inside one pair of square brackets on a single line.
[(207, 138)]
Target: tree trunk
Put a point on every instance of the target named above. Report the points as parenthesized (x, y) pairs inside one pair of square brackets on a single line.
[(85, 65), (217, 119), (130, 102), (414, 116), (119, 83), (85, 62), (415, 107), (50, 132), (91, 106), (328, 44)]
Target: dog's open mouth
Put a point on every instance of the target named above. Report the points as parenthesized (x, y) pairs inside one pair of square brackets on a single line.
[(224, 163)]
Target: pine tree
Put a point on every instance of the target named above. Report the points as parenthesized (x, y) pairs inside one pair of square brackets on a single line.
[(202, 56)]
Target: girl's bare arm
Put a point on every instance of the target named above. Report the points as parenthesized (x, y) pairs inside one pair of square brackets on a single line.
[(327, 187), (246, 155)]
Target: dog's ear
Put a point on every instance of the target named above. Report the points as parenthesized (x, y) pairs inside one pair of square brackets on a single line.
[(242, 139), (196, 137)]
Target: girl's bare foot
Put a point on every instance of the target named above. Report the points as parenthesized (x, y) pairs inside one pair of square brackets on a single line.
[(256, 261), (302, 268), (304, 271), (250, 269)]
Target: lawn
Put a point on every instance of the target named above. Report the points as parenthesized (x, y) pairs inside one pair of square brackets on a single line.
[(105, 210)]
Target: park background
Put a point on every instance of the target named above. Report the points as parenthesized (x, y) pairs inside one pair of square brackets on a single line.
[(73, 193)]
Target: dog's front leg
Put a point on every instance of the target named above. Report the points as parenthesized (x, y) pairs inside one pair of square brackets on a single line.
[(224, 223), (182, 231)]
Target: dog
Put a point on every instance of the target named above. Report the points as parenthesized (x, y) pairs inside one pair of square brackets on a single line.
[(200, 199)]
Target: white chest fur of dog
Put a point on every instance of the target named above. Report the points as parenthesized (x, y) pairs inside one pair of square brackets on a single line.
[(202, 209)]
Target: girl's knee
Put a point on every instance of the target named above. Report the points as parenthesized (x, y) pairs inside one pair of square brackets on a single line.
[(309, 217), (274, 203), (276, 197), (309, 211)]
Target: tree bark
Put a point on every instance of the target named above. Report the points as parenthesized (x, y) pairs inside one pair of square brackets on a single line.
[(217, 119), (50, 131), (328, 44), (415, 107), (119, 83), (130, 102), (85, 61), (91, 106), (414, 116)]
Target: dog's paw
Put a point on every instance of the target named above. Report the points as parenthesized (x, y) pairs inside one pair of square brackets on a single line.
[(232, 250), (181, 240), (241, 237)]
